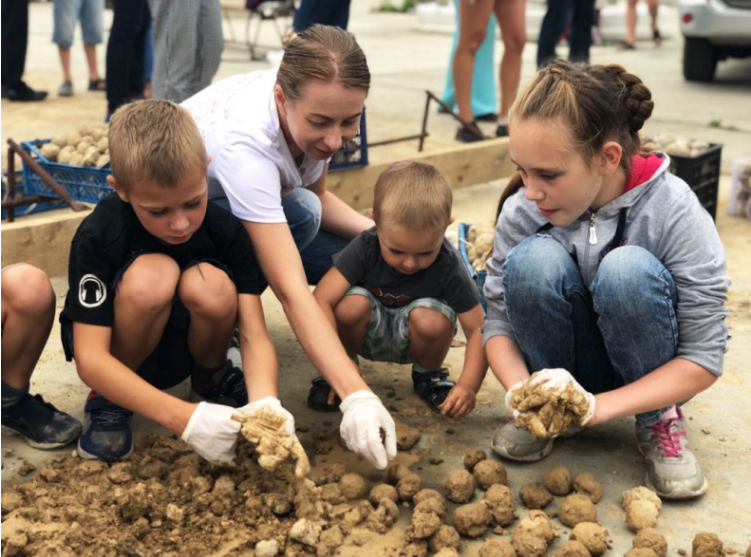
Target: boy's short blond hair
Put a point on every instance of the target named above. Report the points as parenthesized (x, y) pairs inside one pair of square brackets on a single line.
[(155, 141), (414, 195)]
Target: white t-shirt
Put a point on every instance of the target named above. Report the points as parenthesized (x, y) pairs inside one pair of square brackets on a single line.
[(250, 160)]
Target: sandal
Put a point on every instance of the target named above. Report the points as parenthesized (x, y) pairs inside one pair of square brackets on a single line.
[(657, 37), (432, 386), (97, 85), (319, 395), (469, 132)]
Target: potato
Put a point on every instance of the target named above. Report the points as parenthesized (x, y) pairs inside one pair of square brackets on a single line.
[(83, 146), (92, 149), (76, 159), (103, 144), (103, 161), (61, 140), (73, 138), (50, 151), (64, 156), (91, 157), (86, 130)]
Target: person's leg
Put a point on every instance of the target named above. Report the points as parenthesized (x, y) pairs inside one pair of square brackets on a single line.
[(483, 97), (210, 47), (553, 24), (304, 16), (580, 37), (15, 19), (65, 15), (28, 310), (353, 315), (630, 24), (473, 20), (510, 15), (177, 29), (318, 256), (122, 49), (138, 58), (91, 28), (654, 6), (430, 336), (148, 61)]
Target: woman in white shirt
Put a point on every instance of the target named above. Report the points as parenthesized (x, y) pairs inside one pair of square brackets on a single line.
[(270, 135)]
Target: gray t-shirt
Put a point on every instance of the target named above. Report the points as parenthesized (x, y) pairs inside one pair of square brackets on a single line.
[(446, 279)]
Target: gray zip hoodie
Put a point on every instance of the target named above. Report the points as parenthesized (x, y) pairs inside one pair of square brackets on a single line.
[(665, 218)]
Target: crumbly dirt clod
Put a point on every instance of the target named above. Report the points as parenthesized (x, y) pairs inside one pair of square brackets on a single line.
[(641, 514), (267, 431), (406, 436), (384, 517), (528, 544), (545, 412), (497, 548), (592, 535), (445, 536), (432, 505), (488, 472), (397, 472), (424, 494), (588, 485), (706, 544), (472, 457), (460, 486), (640, 552), (471, 521), (576, 508), (267, 548), (417, 548), (353, 486), (408, 486), (380, 491), (573, 548), (651, 538), (641, 493), (305, 531), (447, 552), (535, 496), (423, 525), (500, 504), (538, 523), (557, 480)]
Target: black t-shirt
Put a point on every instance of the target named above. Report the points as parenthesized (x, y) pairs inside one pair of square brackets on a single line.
[(112, 236), (446, 279)]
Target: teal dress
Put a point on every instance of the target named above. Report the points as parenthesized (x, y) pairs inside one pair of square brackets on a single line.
[(483, 74)]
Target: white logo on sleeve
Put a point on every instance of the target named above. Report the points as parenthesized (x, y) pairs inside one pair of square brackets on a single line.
[(91, 291)]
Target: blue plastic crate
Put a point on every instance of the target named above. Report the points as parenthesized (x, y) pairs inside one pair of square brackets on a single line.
[(23, 210), (477, 276), (354, 153), (83, 183)]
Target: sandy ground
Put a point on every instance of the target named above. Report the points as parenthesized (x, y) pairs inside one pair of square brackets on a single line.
[(719, 422)]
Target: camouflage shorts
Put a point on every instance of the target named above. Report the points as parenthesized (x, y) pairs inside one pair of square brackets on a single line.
[(387, 338)]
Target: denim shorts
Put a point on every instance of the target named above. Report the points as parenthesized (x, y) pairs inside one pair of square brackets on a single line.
[(68, 12), (387, 337), (170, 363)]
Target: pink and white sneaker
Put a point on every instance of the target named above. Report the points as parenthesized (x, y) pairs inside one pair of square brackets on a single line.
[(672, 470)]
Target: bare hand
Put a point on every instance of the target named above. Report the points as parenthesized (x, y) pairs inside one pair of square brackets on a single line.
[(459, 402)]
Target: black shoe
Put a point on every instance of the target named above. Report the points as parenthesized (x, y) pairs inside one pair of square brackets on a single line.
[(501, 130), (6, 91), (224, 386), (432, 386), (106, 431), (469, 133), (489, 117), (40, 424), (24, 93)]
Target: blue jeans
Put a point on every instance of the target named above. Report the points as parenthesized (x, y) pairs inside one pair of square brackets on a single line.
[(302, 208), (66, 14), (613, 333)]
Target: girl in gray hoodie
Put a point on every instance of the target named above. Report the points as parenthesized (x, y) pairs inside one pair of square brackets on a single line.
[(604, 265)]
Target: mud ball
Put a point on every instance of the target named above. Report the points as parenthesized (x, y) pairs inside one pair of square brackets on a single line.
[(353, 486), (576, 508), (707, 544), (408, 486), (651, 538), (586, 484), (381, 491), (592, 535), (557, 481), (460, 486), (573, 549), (501, 505), (471, 458), (640, 552), (538, 523), (488, 472), (535, 496), (497, 548), (446, 536), (527, 544), (471, 521)]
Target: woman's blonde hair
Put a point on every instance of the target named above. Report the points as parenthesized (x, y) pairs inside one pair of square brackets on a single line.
[(325, 53)]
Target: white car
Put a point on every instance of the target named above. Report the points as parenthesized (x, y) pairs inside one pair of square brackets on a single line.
[(714, 30)]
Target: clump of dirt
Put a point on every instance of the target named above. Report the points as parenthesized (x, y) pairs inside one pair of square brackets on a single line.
[(473, 457), (425, 494), (267, 432), (535, 496), (488, 472), (573, 548), (707, 544), (527, 544), (497, 548), (576, 508), (406, 436), (353, 486), (408, 486), (460, 486), (593, 536), (557, 480), (501, 505), (432, 505), (447, 552), (642, 508), (651, 538), (423, 525), (640, 552), (588, 485), (546, 412), (471, 521), (396, 473), (381, 491), (445, 536), (167, 500), (538, 524)]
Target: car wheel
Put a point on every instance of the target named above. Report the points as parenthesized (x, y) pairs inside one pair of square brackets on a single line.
[(699, 60)]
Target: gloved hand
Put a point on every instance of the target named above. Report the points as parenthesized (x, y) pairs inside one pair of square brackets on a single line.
[(558, 380), (364, 416), (271, 404), (509, 394), (212, 432)]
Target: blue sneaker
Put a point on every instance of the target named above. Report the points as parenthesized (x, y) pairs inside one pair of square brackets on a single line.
[(106, 431), (40, 424), (224, 386)]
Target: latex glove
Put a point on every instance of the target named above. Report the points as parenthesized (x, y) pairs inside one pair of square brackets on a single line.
[(271, 404), (212, 432), (364, 416), (558, 380), (509, 394)]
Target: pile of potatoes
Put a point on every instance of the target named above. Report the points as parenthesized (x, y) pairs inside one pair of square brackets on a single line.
[(88, 146), (674, 145), (479, 246)]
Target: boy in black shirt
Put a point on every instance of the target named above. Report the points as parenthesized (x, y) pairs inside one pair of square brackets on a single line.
[(396, 290), (158, 280)]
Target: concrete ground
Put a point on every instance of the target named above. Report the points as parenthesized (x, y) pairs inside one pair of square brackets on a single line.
[(405, 63)]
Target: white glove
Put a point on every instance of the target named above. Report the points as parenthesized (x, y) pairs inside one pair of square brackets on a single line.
[(271, 404), (558, 380), (364, 416), (509, 394), (212, 432)]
